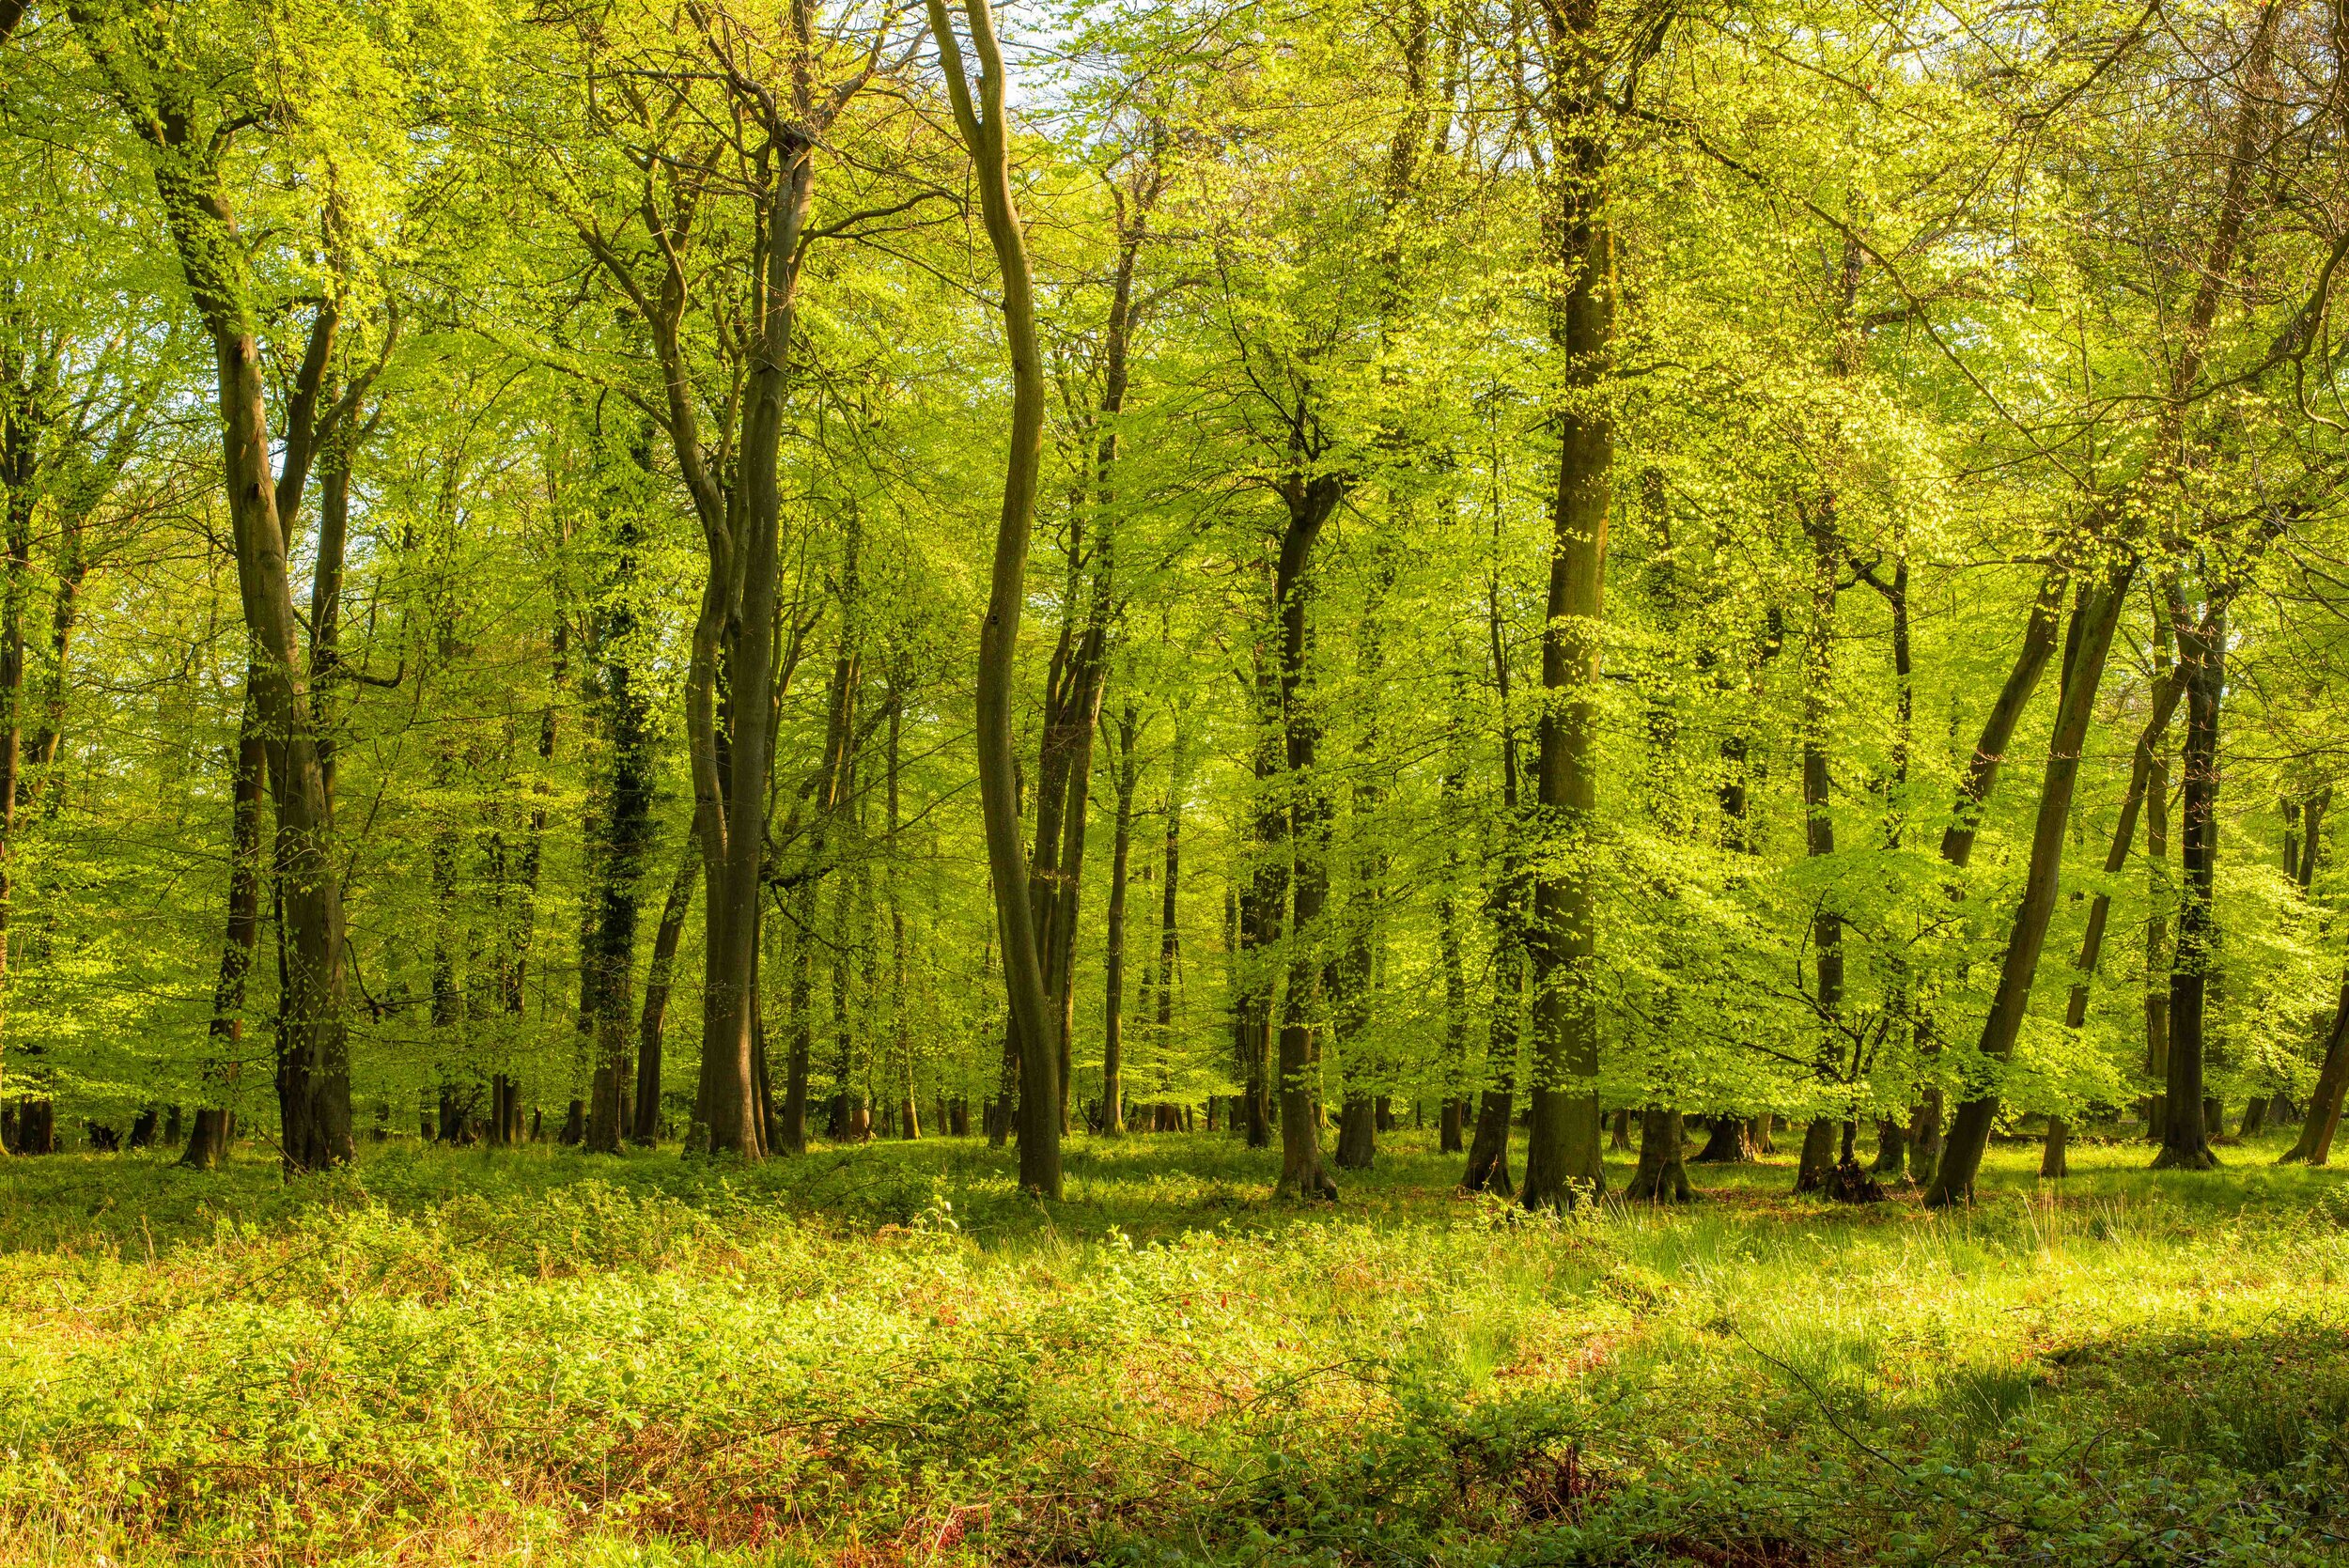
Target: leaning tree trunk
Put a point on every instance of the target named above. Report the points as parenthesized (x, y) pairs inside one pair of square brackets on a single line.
[(2144, 766), (209, 1137), (645, 1123), (2094, 619), (2314, 1146)]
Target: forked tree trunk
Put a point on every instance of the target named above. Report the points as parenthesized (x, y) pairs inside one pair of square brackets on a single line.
[(2094, 621), (158, 98)]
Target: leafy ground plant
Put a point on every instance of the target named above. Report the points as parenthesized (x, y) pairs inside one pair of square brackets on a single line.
[(888, 1356)]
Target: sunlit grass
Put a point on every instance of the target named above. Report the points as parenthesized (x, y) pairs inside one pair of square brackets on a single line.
[(887, 1354)]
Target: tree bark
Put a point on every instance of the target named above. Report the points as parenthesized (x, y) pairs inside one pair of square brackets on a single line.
[(2094, 621), (1311, 499), (1662, 1176), (2314, 1146), (1033, 1024), (1114, 956), (1730, 1142), (1563, 1159), (644, 1124), (2185, 1137), (158, 97), (208, 1140), (626, 821), (2144, 766)]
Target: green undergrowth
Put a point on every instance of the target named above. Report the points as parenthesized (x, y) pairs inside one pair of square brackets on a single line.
[(887, 1355)]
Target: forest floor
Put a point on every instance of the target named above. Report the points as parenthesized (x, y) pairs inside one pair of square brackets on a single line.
[(884, 1356)]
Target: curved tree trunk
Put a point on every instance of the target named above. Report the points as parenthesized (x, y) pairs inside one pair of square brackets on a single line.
[(1034, 1025)]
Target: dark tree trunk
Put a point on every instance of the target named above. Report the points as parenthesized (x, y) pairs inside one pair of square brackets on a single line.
[(2186, 1139), (644, 1127), (2254, 1116), (625, 810), (1662, 1176), (1818, 1156), (208, 1143), (1113, 958), (2093, 620), (1728, 1142), (2314, 1145), (2054, 1162)]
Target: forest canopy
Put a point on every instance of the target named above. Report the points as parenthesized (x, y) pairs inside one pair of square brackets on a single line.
[(728, 574)]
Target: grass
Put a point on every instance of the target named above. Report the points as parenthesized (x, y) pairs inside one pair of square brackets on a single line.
[(886, 1355)]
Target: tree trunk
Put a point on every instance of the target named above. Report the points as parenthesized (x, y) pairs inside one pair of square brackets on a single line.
[(1563, 1160), (2093, 620), (1170, 942), (909, 1117), (2157, 897), (2185, 1138), (651, 1023), (1827, 925), (1817, 1162), (1662, 1176), (1729, 1141), (1891, 1148), (208, 1143), (2314, 1145), (2053, 1163), (1034, 1024), (1113, 958)]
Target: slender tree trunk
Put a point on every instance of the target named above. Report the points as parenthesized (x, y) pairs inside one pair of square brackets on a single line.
[(1113, 958), (1826, 924), (208, 1140), (2094, 619), (2185, 1138), (1488, 1146), (626, 821), (18, 434), (1034, 1024), (908, 1116), (2314, 1146), (652, 1022), (1170, 940)]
